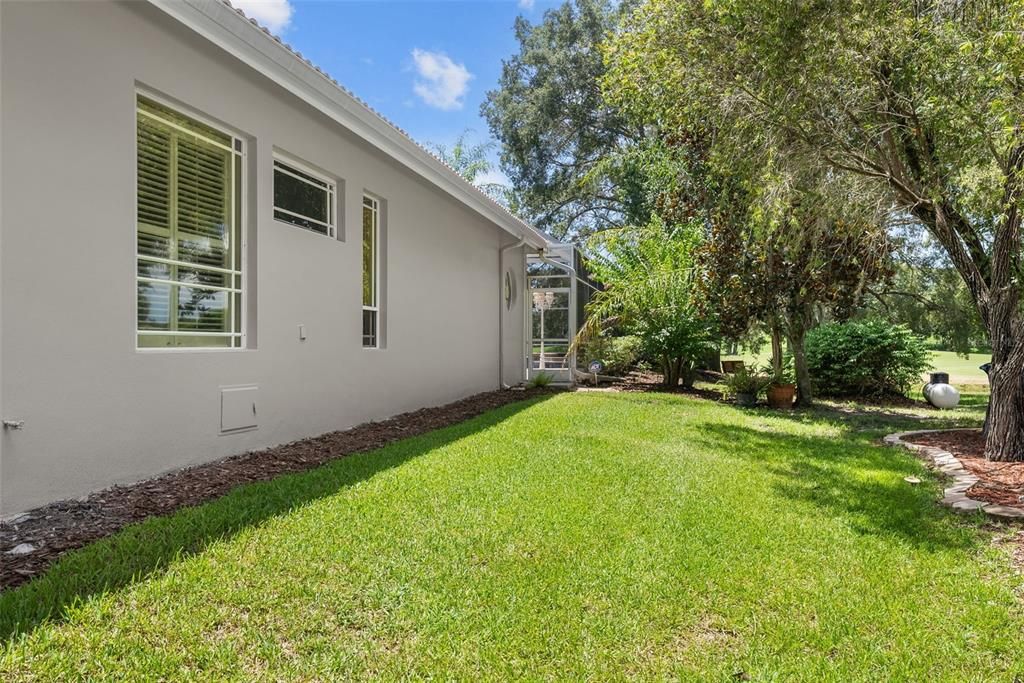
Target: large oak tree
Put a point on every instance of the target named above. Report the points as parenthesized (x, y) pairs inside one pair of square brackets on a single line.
[(564, 149), (924, 97)]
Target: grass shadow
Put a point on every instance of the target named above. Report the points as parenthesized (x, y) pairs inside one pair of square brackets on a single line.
[(147, 548), (849, 479), (850, 476), (977, 400), (856, 417)]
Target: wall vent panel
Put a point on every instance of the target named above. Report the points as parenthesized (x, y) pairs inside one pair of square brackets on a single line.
[(238, 408)]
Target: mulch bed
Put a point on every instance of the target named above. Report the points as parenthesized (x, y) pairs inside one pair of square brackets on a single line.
[(65, 525), (645, 380), (999, 482), (640, 380)]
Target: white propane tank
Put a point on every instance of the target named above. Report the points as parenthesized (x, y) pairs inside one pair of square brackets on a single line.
[(941, 395)]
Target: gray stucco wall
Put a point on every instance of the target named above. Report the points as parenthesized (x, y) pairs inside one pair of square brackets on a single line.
[(97, 411)]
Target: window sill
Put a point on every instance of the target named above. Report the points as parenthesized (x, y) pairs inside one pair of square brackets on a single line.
[(303, 228), (186, 349)]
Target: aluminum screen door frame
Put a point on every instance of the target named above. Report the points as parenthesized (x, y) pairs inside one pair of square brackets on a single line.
[(551, 315)]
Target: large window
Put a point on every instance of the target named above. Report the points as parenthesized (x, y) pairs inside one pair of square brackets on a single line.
[(303, 198), (189, 265), (371, 272)]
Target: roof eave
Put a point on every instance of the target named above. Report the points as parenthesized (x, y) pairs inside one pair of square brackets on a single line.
[(246, 41)]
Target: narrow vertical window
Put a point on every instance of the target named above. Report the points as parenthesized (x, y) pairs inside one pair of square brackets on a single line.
[(189, 260), (371, 267)]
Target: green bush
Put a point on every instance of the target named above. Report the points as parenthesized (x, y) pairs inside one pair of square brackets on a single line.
[(868, 358), (746, 381), (619, 354), (541, 380)]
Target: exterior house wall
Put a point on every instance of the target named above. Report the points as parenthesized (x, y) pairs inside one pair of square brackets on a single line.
[(97, 411), (513, 323), (3, 435)]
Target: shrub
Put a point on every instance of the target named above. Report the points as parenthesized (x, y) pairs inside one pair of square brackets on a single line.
[(649, 291), (541, 380), (866, 358), (745, 381), (786, 374), (618, 354)]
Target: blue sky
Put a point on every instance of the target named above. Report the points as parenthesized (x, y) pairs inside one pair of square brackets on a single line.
[(424, 64)]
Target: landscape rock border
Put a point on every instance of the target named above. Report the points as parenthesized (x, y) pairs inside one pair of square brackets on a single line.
[(954, 496)]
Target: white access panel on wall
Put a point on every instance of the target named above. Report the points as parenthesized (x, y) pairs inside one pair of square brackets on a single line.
[(238, 408)]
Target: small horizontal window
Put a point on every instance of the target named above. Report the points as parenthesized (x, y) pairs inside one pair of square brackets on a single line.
[(303, 199)]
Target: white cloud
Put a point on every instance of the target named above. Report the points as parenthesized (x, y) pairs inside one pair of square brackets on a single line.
[(442, 82), (526, 4), (274, 14)]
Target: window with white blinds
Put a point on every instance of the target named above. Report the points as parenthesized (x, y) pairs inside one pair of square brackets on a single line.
[(189, 277)]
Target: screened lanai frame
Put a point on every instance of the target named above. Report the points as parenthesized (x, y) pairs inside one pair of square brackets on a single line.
[(557, 290)]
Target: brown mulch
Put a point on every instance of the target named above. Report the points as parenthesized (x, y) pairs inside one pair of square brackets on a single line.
[(65, 525), (641, 380), (999, 482), (645, 380)]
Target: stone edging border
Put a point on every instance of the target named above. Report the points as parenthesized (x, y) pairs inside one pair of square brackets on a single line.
[(954, 496)]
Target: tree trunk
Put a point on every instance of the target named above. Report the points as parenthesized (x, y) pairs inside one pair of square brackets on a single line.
[(687, 373), (804, 392), (993, 280), (1004, 438), (670, 368), (776, 351)]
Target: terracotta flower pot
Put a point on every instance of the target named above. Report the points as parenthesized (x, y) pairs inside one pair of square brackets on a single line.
[(781, 396)]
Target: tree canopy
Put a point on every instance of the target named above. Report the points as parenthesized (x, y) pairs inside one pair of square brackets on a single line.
[(922, 99), (470, 161), (927, 294), (804, 255), (561, 142)]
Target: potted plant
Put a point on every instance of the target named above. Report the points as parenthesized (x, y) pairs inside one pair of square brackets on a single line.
[(745, 385), (781, 388)]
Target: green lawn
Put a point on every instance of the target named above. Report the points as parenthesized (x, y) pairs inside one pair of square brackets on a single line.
[(961, 370), (589, 535)]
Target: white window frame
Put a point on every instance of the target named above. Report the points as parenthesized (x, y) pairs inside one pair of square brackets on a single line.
[(375, 307), (239, 217), (332, 193)]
